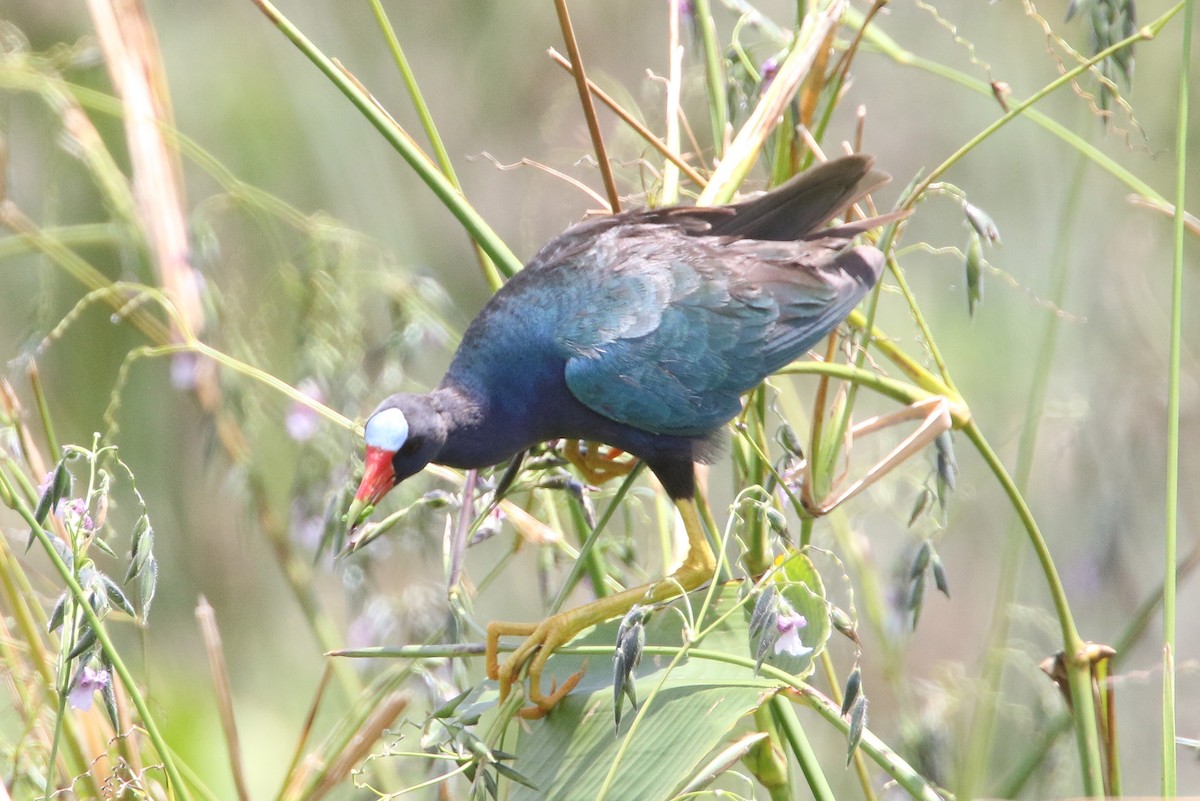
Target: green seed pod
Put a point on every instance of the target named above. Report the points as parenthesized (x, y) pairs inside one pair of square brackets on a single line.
[(974, 272), (939, 575), (842, 622), (776, 520), (58, 613), (116, 596), (786, 436), (921, 561), (982, 223), (858, 724), (921, 505), (87, 638), (916, 599), (853, 689), (947, 464)]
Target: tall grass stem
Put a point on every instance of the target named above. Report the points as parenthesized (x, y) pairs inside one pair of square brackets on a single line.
[(1169, 770)]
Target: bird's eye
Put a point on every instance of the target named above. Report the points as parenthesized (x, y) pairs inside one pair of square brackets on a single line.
[(409, 447)]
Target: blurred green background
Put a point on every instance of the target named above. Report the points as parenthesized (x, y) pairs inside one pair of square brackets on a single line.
[(245, 95)]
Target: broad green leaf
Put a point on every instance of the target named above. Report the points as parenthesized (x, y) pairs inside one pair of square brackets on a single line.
[(689, 711), (799, 569)]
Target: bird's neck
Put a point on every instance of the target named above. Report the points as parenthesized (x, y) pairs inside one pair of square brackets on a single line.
[(472, 439), (460, 408)]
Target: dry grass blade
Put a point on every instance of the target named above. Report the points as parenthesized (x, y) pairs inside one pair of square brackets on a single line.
[(15, 412), (135, 66), (748, 143), (589, 108), (537, 165), (670, 184), (216, 663), (723, 761), (629, 120), (294, 777), (359, 746), (17, 221), (1190, 223)]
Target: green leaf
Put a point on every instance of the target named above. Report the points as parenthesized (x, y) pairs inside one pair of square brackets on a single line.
[(450, 707), (490, 784), (98, 601), (569, 753), (505, 770), (799, 569)]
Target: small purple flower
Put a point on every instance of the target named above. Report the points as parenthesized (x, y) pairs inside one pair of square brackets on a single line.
[(490, 525), (308, 531), (83, 688), (302, 421), (376, 623), (183, 371), (768, 71), (74, 512), (44, 484), (788, 624)]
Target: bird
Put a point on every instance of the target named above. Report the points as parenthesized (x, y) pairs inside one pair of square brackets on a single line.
[(641, 330)]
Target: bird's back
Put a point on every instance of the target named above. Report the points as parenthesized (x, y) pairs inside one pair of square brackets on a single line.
[(661, 319)]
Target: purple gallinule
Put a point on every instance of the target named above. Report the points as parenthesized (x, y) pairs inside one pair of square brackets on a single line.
[(640, 330)]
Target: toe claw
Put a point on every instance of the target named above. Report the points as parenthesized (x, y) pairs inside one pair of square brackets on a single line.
[(541, 640)]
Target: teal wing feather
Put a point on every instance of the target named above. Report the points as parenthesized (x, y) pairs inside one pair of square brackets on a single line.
[(664, 332)]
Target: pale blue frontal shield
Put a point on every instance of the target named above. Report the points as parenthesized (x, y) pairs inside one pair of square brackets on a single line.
[(387, 429)]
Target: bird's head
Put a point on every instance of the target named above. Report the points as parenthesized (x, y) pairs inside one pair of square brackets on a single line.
[(403, 435)]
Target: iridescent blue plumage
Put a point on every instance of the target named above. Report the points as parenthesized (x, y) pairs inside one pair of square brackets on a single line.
[(640, 330), (643, 329)]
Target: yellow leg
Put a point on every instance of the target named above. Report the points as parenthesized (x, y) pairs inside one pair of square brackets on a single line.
[(542, 638), (595, 466)]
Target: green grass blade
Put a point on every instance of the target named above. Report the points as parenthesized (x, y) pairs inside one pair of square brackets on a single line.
[(398, 138), (1169, 770)]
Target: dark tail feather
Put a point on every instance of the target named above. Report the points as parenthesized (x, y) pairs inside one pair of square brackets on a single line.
[(800, 206), (841, 234)]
